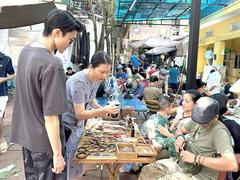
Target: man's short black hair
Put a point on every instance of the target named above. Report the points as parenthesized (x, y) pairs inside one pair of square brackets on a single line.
[(164, 102), (62, 20), (153, 79), (212, 71), (200, 83)]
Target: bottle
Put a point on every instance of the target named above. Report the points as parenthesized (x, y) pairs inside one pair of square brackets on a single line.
[(132, 130), (129, 121)]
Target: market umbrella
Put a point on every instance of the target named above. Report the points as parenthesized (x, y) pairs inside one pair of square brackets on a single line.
[(153, 42), (160, 50)]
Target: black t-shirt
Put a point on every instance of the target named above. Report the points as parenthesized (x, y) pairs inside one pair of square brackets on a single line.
[(234, 129), (40, 91)]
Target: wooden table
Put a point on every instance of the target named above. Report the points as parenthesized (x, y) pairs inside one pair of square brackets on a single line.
[(113, 163)]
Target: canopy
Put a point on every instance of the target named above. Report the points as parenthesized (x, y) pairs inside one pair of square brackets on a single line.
[(146, 11), (25, 15), (160, 50), (153, 42)]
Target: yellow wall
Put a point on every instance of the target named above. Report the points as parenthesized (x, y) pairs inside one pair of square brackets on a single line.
[(223, 37), (201, 61), (221, 31), (219, 47)]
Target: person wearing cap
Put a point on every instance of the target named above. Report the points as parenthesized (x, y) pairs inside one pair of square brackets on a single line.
[(207, 151), (233, 126)]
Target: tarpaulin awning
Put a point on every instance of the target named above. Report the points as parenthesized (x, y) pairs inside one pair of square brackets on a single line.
[(25, 15), (153, 42), (160, 50)]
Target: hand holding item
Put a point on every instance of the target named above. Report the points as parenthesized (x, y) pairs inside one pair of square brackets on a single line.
[(110, 109), (179, 144), (187, 156)]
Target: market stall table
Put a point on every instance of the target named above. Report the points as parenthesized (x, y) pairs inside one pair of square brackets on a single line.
[(103, 143), (138, 105)]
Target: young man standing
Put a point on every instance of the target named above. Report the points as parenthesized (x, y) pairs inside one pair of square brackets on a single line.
[(41, 99), (6, 73)]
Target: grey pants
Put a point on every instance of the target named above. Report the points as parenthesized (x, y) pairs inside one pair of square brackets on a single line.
[(38, 166)]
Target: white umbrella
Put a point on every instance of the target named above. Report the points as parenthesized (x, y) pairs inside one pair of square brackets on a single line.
[(160, 50), (137, 44), (154, 42)]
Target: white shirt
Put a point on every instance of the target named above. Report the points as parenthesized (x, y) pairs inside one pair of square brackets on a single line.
[(214, 79)]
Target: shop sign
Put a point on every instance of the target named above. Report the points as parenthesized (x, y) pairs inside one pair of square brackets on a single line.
[(235, 26), (209, 34)]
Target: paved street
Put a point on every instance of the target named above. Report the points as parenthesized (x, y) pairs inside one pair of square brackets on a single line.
[(14, 154)]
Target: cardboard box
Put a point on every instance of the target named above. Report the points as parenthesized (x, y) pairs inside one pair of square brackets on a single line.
[(233, 72), (233, 55), (232, 79), (231, 64)]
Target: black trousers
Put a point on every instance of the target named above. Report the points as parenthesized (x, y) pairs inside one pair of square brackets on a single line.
[(38, 166)]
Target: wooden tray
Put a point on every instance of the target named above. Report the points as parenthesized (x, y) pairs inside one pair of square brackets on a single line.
[(145, 150), (126, 155)]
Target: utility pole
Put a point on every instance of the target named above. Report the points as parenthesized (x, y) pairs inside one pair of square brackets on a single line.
[(193, 44)]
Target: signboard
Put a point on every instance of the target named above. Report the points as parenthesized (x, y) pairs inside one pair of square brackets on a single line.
[(209, 34), (235, 26)]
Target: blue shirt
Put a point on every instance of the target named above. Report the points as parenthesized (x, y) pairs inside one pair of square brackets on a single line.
[(5, 69), (173, 75), (121, 75), (139, 91), (135, 61)]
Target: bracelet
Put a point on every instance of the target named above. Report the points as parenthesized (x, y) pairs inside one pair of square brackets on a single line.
[(195, 159), (198, 159)]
